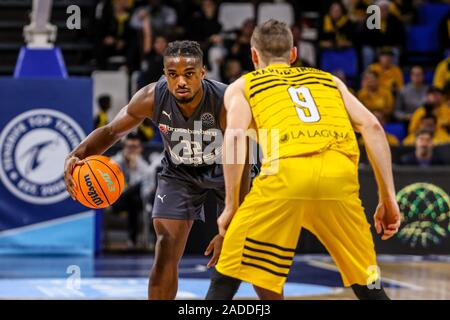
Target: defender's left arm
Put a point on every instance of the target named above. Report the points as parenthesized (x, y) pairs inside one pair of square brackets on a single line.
[(237, 174), (245, 180), (238, 120)]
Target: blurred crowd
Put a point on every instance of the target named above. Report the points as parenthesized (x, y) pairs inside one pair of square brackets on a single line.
[(410, 98)]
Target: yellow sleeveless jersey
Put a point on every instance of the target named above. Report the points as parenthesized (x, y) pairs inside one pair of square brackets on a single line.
[(298, 112)]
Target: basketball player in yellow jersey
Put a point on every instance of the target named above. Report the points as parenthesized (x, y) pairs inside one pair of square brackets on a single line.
[(316, 185)]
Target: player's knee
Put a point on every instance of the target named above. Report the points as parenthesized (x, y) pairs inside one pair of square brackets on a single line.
[(165, 254), (166, 244), (366, 293)]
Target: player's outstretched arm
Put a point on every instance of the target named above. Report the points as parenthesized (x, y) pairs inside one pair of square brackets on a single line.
[(239, 117), (99, 140), (387, 215)]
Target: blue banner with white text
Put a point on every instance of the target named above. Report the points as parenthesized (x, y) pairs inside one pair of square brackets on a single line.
[(41, 121)]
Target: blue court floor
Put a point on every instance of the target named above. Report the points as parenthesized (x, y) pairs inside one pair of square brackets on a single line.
[(125, 277)]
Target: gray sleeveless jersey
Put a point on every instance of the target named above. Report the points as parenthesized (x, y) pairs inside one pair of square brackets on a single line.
[(196, 141)]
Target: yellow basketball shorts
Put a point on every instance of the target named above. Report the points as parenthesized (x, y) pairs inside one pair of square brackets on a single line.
[(319, 193)]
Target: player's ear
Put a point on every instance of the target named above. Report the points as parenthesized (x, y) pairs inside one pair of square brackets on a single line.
[(203, 72), (293, 55), (255, 57)]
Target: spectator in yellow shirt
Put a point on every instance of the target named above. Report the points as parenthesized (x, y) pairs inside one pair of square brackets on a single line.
[(145, 130), (434, 104), (104, 104), (429, 122), (390, 75), (373, 96), (442, 74), (337, 28)]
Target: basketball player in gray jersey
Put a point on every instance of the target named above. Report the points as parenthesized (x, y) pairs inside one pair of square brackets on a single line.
[(188, 109)]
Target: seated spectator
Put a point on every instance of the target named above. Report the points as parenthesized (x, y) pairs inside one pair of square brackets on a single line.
[(389, 75), (104, 104), (442, 74), (139, 184), (240, 49), (429, 122), (233, 71), (373, 96), (146, 130), (403, 10), (337, 29), (152, 66), (390, 34), (357, 10), (434, 104), (392, 140), (411, 96), (204, 23), (163, 18), (113, 32), (423, 154), (204, 27)]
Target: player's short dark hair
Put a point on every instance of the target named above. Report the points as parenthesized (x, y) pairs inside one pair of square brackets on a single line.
[(434, 89), (425, 131), (184, 48), (133, 136), (386, 51), (273, 39), (372, 72), (429, 115), (104, 101)]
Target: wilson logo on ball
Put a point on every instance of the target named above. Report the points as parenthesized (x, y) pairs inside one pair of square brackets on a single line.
[(99, 182), (92, 193)]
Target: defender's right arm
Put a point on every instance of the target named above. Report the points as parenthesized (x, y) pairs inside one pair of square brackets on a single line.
[(101, 139), (387, 215)]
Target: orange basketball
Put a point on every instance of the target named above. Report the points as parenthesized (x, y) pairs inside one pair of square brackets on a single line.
[(99, 182)]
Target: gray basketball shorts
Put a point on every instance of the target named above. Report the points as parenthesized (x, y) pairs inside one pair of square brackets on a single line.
[(182, 191)]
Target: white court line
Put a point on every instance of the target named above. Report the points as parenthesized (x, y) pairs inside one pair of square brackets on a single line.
[(332, 267)]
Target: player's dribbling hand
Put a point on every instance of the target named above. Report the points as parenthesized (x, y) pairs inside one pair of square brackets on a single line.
[(69, 164), (216, 246), (387, 217)]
